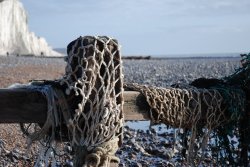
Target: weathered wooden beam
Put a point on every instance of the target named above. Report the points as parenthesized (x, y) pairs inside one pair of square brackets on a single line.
[(22, 106), (29, 106), (135, 106)]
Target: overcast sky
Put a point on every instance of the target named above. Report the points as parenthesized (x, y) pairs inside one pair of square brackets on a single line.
[(148, 27)]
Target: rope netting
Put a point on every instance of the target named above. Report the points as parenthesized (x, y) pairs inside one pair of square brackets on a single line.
[(88, 99), (94, 76), (200, 111)]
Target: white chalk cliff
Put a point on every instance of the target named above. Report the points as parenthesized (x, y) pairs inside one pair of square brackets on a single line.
[(15, 37)]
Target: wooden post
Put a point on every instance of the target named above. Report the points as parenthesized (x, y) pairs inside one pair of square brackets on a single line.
[(22, 105)]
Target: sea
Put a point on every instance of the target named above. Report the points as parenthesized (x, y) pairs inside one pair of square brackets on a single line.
[(178, 56)]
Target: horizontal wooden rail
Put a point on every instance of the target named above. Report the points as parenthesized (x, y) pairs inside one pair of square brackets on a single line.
[(22, 106), (29, 106)]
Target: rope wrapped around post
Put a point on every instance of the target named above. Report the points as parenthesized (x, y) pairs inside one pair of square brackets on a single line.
[(182, 108), (94, 77), (87, 101), (198, 110)]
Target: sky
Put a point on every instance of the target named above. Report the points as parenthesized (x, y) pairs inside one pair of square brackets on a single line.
[(146, 27)]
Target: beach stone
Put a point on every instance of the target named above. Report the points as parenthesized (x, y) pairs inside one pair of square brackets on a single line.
[(167, 155), (166, 143), (135, 164), (144, 139), (16, 155), (153, 131), (13, 157), (132, 156), (138, 164), (69, 163), (119, 152), (138, 139), (122, 165), (25, 158), (140, 131), (133, 140), (68, 149), (1, 142), (126, 136), (208, 155), (170, 164)]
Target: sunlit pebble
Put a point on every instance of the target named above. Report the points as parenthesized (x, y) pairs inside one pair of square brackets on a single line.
[(69, 163), (51, 153), (169, 164), (58, 164), (178, 145), (132, 140), (68, 149), (41, 164), (169, 154), (198, 155), (208, 155)]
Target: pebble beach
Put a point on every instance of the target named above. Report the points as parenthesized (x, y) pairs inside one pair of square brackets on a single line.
[(141, 146)]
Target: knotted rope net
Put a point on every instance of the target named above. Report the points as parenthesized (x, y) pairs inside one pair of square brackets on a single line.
[(88, 99), (94, 76), (198, 110)]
